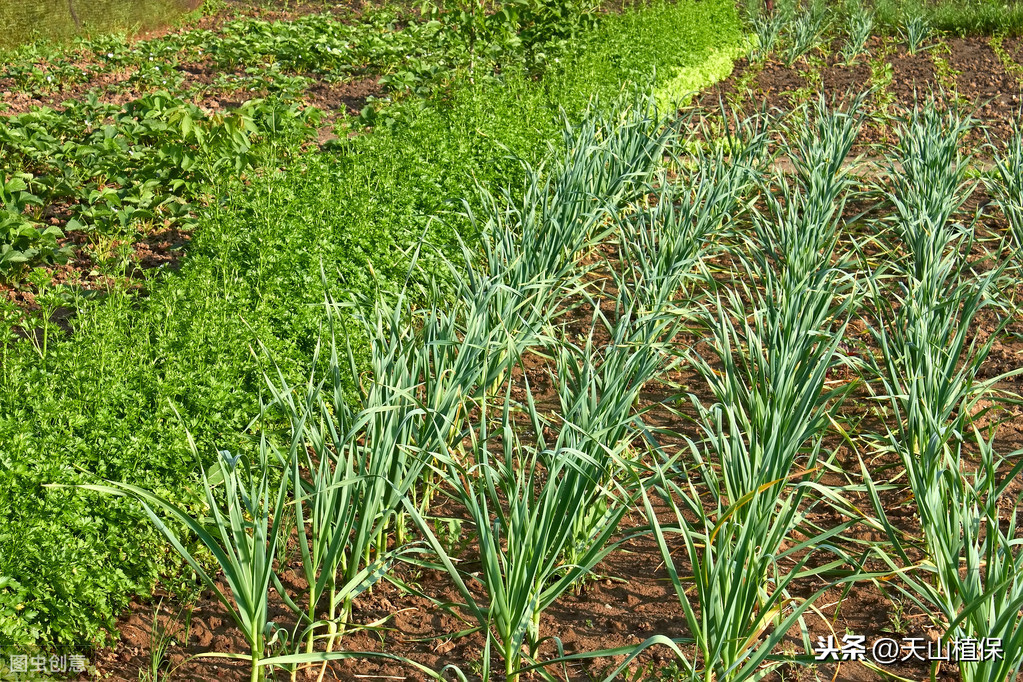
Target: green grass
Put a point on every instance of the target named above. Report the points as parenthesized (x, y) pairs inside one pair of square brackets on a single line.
[(961, 17), (24, 20), (105, 399), (852, 21)]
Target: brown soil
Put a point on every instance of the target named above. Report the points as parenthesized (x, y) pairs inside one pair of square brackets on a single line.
[(986, 88), (198, 79)]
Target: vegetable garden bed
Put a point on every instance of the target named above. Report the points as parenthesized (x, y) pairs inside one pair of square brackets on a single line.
[(669, 395)]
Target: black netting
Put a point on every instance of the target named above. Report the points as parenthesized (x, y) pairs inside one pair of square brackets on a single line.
[(22, 21)]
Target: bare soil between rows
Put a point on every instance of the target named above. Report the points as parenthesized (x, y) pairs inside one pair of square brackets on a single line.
[(977, 79)]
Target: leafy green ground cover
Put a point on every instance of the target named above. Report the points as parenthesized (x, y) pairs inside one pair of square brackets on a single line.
[(113, 394), (109, 171)]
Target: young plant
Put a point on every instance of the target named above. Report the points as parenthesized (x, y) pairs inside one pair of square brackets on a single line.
[(973, 574), (859, 28), (930, 358), (805, 32), (928, 185), (663, 244), (736, 603), (962, 525), (985, 600), (800, 235), (929, 371), (763, 435), (770, 413), (532, 244), (767, 28), (526, 504), (243, 535), (1005, 183), (915, 32), (820, 146), (770, 387), (463, 353), (598, 391), (665, 241), (760, 456), (350, 468)]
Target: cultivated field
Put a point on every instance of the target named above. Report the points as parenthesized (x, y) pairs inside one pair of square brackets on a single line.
[(526, 342)]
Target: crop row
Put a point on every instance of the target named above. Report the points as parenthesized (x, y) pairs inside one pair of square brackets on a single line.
[(446, 409)]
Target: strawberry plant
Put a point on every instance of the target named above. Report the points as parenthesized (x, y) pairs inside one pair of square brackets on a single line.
[(22, 239)]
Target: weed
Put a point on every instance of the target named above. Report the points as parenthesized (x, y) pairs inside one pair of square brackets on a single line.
[(164, 634), (881, 75), (896, 616), (948, 78), (1005, 59)]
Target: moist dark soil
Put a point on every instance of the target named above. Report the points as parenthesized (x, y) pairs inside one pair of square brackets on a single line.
[(976, 78)]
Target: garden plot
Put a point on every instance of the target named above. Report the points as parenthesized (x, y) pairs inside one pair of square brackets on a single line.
[(706, 397), (687, 418), (107, 362)]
